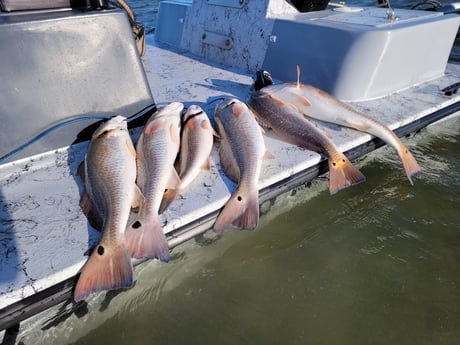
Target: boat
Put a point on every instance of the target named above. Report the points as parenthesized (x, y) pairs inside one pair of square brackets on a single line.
[(374, 58)]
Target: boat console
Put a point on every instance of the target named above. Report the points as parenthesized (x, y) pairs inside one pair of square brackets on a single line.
[(353, 53)]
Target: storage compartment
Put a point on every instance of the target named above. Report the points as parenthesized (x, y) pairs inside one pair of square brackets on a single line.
[(170, 21), (359, 53)]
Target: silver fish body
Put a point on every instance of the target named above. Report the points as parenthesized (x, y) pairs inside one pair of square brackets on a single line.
[(110, 191), (196, 145), (292, 127), (320, 105), (241, 152), (157, 150)]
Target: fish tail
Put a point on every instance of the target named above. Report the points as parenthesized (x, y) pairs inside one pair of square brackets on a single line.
[(342, 174), (240, 211), (108, 268), (410, 164), (145, 239)]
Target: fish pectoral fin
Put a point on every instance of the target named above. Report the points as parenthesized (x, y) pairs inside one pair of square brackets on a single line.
[(153, 126), (303, 101), (278, 101), (207, 164), (138, 199), (91, 213)]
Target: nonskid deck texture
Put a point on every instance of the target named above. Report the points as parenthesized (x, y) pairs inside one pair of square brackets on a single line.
[(45, 238)]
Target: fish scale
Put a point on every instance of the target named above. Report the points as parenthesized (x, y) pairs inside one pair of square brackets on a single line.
[(157, 149), (110, 191), (241, 151)]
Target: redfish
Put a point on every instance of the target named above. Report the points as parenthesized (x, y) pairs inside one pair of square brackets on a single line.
[(292, 127), (157, 150), (196, 144), (110, 192), (320, 105), (241, 151)]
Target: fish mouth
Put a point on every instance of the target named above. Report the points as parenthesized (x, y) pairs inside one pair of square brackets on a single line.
[(227, 103), (118, 122), (191, 113), (262, 79)]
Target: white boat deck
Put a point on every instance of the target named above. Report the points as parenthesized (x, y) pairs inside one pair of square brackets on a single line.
[(44, 236)]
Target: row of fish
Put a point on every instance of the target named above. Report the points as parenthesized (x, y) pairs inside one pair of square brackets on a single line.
[(170, 153)]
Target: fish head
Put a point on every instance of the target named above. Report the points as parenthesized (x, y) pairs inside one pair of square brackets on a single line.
[(114, 125), (262, 79), (171, 108), (193, 112), (227, 103)]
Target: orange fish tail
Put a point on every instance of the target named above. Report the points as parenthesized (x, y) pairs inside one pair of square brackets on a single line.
[(410, 164), (342, 174), (108, 268), (241, 211), (146, 239)]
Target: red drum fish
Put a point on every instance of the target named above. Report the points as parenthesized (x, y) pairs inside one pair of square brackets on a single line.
[(157, 150), (320, 105), (241, 151), (292, 127), (110, 192), (196, 145)]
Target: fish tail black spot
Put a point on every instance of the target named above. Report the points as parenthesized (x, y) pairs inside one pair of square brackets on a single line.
[(100, 250), (137, 224)]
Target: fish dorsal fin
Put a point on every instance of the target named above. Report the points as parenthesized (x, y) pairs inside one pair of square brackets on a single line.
[(298, 76)]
